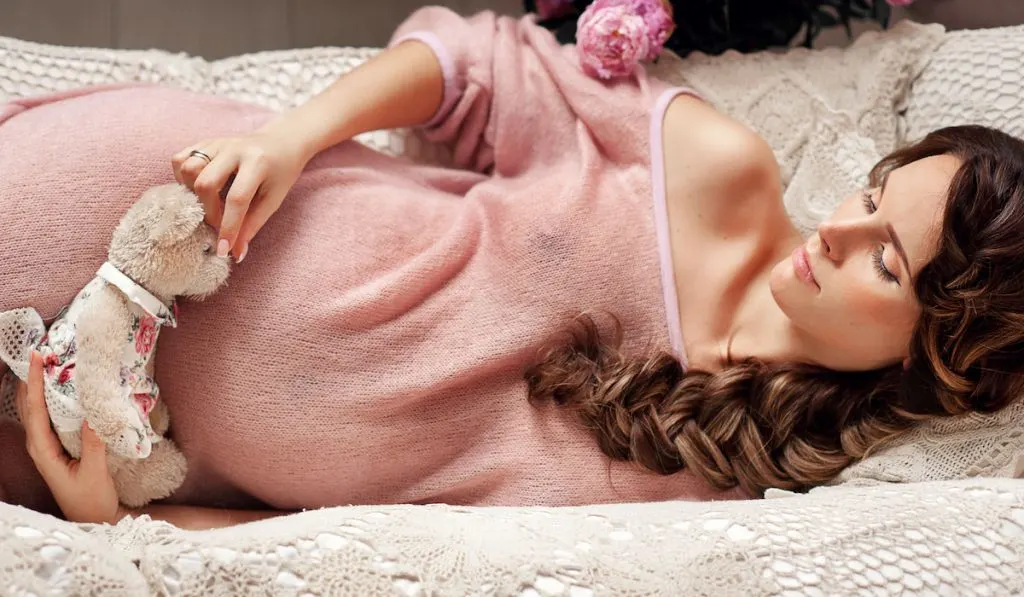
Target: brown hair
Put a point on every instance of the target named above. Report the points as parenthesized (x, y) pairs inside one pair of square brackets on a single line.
[(787, 425)]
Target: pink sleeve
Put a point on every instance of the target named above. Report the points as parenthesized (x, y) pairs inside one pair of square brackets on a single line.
[(515, 97), (466, 55)]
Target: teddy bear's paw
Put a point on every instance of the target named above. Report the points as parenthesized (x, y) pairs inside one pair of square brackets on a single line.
[(139, 482)]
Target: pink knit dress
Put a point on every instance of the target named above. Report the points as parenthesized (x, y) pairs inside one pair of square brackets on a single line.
[(370, 349)]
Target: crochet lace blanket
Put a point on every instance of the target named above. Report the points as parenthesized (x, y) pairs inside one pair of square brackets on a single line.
[(828, 115), (944, 538)]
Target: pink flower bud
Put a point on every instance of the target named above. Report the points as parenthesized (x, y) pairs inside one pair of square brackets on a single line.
[(614, 36)]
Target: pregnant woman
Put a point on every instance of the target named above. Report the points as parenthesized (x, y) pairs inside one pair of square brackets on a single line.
[(602, 301)]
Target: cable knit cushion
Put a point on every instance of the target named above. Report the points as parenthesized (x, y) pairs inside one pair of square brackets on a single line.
[(974, 77), (828, 115)]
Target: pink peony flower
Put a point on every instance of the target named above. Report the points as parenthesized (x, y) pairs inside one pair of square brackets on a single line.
[(146, 336), (611, 42), (550, 9), (613, 36), (657, 15)]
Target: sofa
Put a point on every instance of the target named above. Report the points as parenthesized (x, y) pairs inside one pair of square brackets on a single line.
[(938, 512)]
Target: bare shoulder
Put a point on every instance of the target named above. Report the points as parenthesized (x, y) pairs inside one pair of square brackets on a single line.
[(727, 221), (713, 138), (718, 166)]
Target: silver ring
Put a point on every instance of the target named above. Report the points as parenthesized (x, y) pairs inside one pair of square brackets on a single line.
[(199, 154)]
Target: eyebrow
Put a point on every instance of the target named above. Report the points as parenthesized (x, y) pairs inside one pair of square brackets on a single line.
[(893, 237)]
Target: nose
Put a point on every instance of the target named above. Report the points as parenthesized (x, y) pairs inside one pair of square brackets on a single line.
[(840, 237)]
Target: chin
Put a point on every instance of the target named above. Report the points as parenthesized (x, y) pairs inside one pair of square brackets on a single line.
[(789, 293), (782, 281)]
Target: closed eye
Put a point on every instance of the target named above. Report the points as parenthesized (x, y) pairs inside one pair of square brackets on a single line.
[(869, 205), (883, 271), (879, 253), (207, 248)]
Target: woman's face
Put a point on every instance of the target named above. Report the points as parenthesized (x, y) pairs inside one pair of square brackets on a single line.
[(850, 285)]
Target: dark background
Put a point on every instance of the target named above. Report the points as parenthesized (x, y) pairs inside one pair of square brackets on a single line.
[(218, 28)]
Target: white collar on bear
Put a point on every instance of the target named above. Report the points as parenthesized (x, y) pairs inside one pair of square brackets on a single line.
[(140, 296)]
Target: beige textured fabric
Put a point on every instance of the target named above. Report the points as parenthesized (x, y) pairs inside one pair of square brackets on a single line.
[(829, 115), (947, 538), (40, 555), (974, 77)]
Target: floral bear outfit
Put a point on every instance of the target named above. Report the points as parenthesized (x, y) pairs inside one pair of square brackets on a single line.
[(22, 330)]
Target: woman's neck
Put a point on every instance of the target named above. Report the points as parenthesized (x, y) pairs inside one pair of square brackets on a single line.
[(762, 330)]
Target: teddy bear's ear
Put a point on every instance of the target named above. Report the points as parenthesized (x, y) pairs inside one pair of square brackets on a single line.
[(176, 215)]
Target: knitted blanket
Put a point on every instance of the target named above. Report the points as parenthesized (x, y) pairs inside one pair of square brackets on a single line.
[(943, 538)]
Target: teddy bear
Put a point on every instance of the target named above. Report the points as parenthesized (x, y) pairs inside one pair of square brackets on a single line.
[(98, 353)]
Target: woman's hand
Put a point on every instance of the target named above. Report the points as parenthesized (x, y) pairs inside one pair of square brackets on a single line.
[(83, 489), (250, 175)]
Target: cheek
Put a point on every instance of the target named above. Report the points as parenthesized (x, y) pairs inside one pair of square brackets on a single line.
[(869, 306)]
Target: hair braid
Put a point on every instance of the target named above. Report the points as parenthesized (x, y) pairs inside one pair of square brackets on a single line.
[(751, 424)]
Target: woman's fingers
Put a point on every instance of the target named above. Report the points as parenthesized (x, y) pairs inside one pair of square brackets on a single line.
[(188, 166), (94, 454), (178, 160), (41, 442), (237, 178), (34, 415), (211, 184), (241, 201)]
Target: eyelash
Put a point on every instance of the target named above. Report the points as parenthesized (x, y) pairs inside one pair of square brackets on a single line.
[(883, 272), (869, 205)]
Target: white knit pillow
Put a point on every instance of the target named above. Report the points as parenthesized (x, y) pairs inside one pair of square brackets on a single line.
[(28, 69), (974, 77)]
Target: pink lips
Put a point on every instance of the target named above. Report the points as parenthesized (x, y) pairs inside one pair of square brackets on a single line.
[(802, 266)]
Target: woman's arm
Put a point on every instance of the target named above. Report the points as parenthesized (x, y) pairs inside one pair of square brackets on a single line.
[(400, 87)]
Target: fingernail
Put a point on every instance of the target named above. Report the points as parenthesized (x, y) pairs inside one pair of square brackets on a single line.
[(245, 251), (222, 248)]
